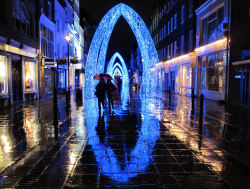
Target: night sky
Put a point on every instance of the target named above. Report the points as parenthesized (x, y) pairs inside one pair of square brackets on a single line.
[(122, 38)]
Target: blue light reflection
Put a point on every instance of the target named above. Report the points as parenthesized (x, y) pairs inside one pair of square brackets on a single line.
[(140, 154)]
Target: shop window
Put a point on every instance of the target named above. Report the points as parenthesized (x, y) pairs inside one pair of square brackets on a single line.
[(30, 76), (203, 79), (212, 27), (214, 78), (3, 75), (211, 60), (211, 71), (22, 18)]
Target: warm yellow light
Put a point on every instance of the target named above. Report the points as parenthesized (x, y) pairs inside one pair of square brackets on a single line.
[(216, 44), (6, 143), (2, 70), (68, 38), (183, 57)]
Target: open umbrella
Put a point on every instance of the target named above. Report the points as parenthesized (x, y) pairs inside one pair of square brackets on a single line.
[(102, 75)]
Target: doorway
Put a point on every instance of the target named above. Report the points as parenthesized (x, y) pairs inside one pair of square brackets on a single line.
[(77, 79), (172, 80), (17, 80)]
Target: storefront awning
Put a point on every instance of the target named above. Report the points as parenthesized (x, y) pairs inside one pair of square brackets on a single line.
[(238, 63)]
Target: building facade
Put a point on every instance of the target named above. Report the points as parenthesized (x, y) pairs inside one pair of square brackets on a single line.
[(32, 39), (212, 49), (18, 51), (62, 19), (193, 48), (46, 56), (239, 67), (173, 32)]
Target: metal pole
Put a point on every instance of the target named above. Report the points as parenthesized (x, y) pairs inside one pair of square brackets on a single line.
[(68, 71), (227, 50), (201, 109), (192, 101), (169, 95)]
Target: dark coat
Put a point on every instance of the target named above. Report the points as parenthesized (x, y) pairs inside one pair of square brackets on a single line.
[(110, 88), (101, 90)]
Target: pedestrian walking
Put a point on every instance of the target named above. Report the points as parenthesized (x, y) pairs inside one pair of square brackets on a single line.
[(119, 84), (101, 93), (110, 92)]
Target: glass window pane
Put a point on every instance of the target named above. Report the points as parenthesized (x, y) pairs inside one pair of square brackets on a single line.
[(3, 76), (214, 78), (220, 23), (212, 16), (212, 31), (220, 58), (203, 40), (211, 60), (30, 76)]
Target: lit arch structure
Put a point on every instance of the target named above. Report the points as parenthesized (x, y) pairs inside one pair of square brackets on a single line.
[(113, 65), (117, 69), (99, 45)]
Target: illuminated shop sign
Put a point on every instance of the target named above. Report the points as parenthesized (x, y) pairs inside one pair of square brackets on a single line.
[(50, 62)]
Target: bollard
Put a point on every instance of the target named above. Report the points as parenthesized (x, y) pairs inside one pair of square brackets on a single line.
[(68, 105), (55, 121), (192, 101), (201, 120), (201, 109), (169, 95)]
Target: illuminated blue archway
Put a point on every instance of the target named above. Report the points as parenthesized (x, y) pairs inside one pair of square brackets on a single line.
[(98, 49), (117, 69), (122, 66)]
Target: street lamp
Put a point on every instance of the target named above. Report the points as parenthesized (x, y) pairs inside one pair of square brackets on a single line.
[(68, 39)]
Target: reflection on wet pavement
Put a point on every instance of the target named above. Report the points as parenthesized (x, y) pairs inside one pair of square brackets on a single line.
[(132, 149), (30, 153), (143, 143)]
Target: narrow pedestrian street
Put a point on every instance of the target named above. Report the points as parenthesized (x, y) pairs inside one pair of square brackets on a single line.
[(147, 143)]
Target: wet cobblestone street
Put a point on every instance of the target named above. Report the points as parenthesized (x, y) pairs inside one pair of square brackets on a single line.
[(147, 143)]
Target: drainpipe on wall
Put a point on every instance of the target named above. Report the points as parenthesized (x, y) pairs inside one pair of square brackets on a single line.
[(39, 73), (227, 57), (194, 44)]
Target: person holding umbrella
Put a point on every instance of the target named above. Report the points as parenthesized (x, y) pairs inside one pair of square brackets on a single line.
[(110, 92), (100, 93)]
